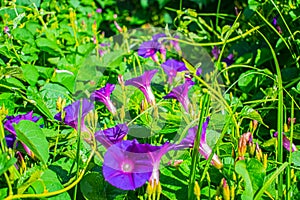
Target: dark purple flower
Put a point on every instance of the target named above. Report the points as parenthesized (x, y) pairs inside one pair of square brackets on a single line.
[(10, 140), (149, 49), (274, 22), (112, 135), (215, 52), (8, 124), (181, 94), (71, 113), (129, 165), (229, 60), (286, 142), (103, 95), (143, 83), (204, 148), (171, 67)]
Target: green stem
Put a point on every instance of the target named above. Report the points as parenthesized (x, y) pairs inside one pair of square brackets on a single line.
[(289, 173), (204, 107), (270, 180), (78, 146), (279, 114)]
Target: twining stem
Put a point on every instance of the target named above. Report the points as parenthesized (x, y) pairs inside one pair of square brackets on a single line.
[(216, 43), (204, 107), (279, 114)]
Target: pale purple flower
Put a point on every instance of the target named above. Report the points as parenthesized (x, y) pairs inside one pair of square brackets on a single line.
[(118, 26), (129, 165), (175, 43), (286, 142), (215, 52), (204, 148), (199, 71), (110, 136), (181, 94), (98, 10), (71, 114), (143, 83), (149, 49), (171, 67), (103, 95), (6, 31), (156, 37)]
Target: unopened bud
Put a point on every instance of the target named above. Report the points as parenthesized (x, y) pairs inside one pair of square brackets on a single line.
[(197, 190), (254, 124), (226, 191), (258, 153), (265, 160), (121, 81)]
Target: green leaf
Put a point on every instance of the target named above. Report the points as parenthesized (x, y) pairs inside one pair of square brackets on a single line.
[(112, 59), (92, 186), (253, 174), (65, 78), (64, 168), (250, 113), (30, 73), (24, 35), (48, 46), (253, 4), (34, 95), (174, 181), (32, 136), (86, 48), (49, 182), (263, 55), (50, 93), (6, 162), (296, 158), (15, 83)]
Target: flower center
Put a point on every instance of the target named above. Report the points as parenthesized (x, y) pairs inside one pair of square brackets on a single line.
[(127, 167)]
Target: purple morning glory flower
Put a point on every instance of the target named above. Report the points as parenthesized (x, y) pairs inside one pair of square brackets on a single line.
[(72, 113), (149, 49), (98, 10), (229, 60), (181, 94), (143, 83), (204, 148), (112, 135), (103, 95), (129, 165), (8, 125), (215, 52), (156, 37), (171, 67), (175, 43), (286, 142), (126, 169)]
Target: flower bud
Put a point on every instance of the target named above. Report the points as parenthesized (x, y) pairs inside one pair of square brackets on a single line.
[(197, 190), (225, 190)]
